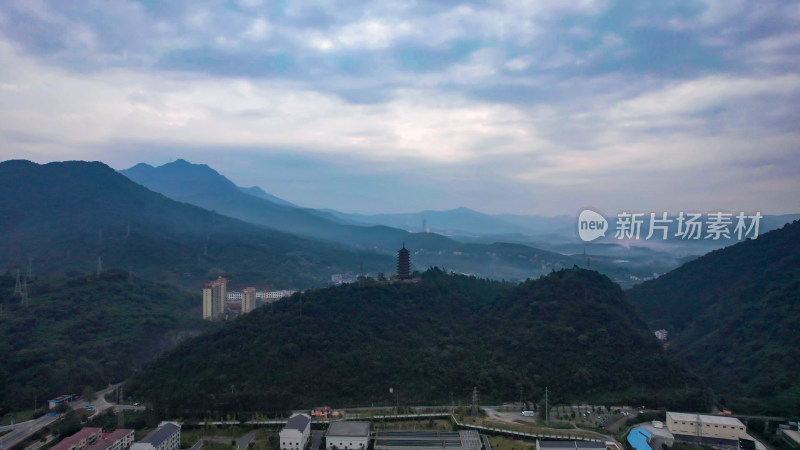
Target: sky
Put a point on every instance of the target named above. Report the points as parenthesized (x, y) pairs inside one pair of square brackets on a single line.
[(527, 107)]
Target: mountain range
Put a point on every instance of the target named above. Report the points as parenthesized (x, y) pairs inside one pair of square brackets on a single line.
[(489, 255), (60, 217), (733, 315)]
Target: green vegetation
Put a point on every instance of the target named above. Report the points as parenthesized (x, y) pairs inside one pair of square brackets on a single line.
[(733, 315), (83, 331), (65, 215), (431, 340)]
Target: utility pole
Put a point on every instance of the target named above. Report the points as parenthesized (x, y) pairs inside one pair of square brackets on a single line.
[(546, 408), (475, 402)]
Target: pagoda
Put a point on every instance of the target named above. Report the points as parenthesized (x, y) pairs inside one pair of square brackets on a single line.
[(403, 264)]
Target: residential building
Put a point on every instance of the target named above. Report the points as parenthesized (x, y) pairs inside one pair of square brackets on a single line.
[(248, 300), (427, 440), (661, 335), (233, 296), (296, 433), (570, 445), (345, 435), (166, 437), (80, 440), (706, 429), (214, 297), (120, 439), (279, 294)]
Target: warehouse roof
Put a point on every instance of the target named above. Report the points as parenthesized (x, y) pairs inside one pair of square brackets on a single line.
[(572, 444), (344, 428), (164, 431), (704, 418), (298, 422)]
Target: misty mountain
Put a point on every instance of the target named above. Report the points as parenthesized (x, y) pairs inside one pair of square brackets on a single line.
[(258, 192), (64, 216), (202, 186), (430, 341), (734, 316)]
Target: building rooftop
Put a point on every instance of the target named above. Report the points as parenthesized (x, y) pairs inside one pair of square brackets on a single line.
[(572, 444), (107, 439), (298, 422), (348, 429), (69, 441), (164, 431), (427, 440), (703, 418)]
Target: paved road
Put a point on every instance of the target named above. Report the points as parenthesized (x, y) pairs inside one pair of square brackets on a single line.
[(26, 429), (316, 438)]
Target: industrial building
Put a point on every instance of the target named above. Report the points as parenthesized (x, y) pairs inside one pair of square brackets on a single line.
[(347, 436), (706, 429), (214, 297), (248, 300), (570, 445), (427, 440), (295, 435), (166, 437)]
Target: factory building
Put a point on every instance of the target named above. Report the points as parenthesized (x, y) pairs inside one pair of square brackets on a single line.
[(166, 437), (706, 429), (347, 436), (295, 435), (427, 440)]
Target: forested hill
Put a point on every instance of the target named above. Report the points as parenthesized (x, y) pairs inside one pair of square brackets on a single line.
[(347, 345), (734, 316), (64, 216), (83, 330)]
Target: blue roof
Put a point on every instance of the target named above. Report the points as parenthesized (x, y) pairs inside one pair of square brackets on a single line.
[(638, 439)]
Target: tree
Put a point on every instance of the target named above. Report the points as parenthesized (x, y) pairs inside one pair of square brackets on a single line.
[(89, 394)]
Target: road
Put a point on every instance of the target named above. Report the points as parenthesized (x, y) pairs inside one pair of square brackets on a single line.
[(24, 430)]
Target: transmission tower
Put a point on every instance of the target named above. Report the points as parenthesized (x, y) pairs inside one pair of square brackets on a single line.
[(121, 416), (18, 286), (99, 265), (130, 274), (24, 300)]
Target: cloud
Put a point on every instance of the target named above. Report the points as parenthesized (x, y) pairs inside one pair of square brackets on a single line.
[(489, 101)]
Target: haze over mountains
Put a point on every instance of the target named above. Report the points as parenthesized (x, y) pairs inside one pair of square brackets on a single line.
[(491, 246), (64, 216)]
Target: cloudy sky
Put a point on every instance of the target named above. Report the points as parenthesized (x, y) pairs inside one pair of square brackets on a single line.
[(502, 106)]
